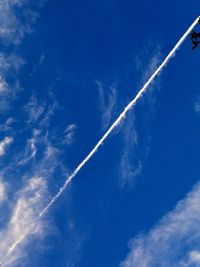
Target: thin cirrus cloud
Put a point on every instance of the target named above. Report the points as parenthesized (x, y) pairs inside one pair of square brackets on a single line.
[(28, 202), (10, 65), (31, 151), (4, 143), (24, 205), (147, 68), (130, 164), (11, 32), (34, 109), (3, 85), (40, 112), (174, 241), (107, 102), (69, 133), (16, 19), (2, 191), (129, 167), (24, 225)]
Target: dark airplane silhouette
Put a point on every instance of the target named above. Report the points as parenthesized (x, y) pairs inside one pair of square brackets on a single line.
[(195, 35), (195, 44)]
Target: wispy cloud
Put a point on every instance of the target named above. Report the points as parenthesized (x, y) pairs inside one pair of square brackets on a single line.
[(40, 112), (64, 137), (3, 85), (10, 66), (41, 154), (22, 223), (131, 162), (38, 64), (174, 241), (69, 134), (35, 164), (7, 125), (2, 191), (4, 143), (16, 19), (146, 63), (34, 109), (193, 259), (130, 166), (107, 102), (18, 226), (30, 150), (10, 62)]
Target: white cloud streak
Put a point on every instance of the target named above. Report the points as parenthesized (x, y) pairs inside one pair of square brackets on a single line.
[(31, 151), (17, 17), (15, 20), (108, 132), (193, 258), (4, 143), (22, 223), (7, 126), (129, 168), (9, 68), (2, 191), (9, 64), (69, 132), (34, 110), (175, 241), (107, 103)]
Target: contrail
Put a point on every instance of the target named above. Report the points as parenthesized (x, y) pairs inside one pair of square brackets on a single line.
[(120, 118), (104, 137)]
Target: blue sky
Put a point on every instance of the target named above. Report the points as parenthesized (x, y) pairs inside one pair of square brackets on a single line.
[(67, 70)]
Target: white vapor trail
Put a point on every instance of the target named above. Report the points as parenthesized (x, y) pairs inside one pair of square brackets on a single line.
[(120, 118), (104, 137)]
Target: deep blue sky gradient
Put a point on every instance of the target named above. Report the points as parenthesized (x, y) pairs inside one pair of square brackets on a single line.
[(88, 41)]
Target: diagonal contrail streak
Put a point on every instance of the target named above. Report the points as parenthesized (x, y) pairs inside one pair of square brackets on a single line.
[(120, 118), (104, 137)]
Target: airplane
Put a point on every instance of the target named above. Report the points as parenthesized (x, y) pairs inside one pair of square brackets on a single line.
[(195, 35), (195, 44)]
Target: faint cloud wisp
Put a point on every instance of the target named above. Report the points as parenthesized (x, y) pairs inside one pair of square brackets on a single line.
[(22, 223), (2, 191), (174, 241), (4, 143), (130, 163), (107, 102)]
